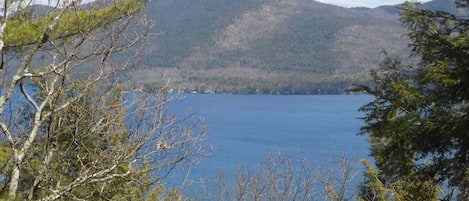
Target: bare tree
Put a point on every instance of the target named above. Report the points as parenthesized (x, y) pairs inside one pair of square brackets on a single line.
[(339, 180), (282, 178), (279, 178), (68, 130)]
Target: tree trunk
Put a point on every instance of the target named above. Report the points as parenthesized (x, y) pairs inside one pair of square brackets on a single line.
[(15, 175)]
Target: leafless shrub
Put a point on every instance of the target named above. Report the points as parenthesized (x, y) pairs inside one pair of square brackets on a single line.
[(282, 178)]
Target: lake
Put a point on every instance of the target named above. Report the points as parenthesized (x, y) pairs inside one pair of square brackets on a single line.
[(246, 128)]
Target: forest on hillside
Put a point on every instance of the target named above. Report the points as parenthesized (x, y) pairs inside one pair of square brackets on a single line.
[(288, 47)]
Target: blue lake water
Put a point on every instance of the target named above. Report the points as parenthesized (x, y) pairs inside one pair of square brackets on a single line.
[(246, 128)]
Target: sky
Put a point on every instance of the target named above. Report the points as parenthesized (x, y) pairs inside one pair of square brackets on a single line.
[(364, 3)]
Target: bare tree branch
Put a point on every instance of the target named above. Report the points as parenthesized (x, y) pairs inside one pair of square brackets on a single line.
[(74, 131)]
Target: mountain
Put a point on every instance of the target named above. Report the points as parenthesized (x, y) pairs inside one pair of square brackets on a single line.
[(443, 5), (269, 46)]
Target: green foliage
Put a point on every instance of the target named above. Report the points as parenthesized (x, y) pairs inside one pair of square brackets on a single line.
[(372, 188), (78, 136), (417, 123), (23, 30), (5, 167), (69, 137)]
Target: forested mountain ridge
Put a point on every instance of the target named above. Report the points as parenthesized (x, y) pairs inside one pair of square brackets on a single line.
[(269, 46)]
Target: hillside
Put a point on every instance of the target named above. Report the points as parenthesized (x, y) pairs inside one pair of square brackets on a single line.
[(268, 46)]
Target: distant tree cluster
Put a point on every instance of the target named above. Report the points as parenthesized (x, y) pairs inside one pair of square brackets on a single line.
[(286, 37)]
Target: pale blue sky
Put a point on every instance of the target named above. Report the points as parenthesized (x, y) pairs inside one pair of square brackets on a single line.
[(364, 3)]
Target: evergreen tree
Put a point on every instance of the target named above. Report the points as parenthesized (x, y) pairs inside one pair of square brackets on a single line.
[(418, 121)]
